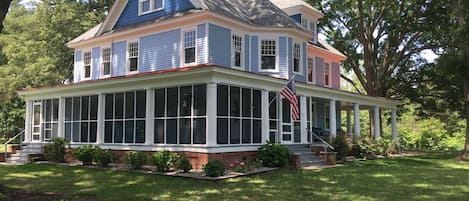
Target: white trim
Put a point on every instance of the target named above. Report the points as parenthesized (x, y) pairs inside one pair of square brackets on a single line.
[(101, 59), (182, 53), (277, 55), (243, 51), (151, 5), (207, 46), (127, 69)]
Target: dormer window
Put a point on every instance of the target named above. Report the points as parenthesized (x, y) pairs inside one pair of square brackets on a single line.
[(149, 6)]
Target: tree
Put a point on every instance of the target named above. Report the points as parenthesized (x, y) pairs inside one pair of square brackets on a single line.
[(4, 6)]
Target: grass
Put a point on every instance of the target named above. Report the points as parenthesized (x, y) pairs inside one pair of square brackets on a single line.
[(436, 176)]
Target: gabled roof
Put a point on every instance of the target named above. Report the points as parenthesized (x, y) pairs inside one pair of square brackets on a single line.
[(290, 4)]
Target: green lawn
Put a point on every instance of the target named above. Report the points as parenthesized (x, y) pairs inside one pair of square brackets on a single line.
[(432, 177)]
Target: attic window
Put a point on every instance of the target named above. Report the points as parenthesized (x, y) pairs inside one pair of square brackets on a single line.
[(149, 6)]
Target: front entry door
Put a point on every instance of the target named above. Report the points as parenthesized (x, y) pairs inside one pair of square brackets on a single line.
[(36, 134)]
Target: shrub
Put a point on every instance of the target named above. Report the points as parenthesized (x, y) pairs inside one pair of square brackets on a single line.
[(164, 160), (85, 154), (104, 156), (239, 166), (55, 150), (184, 164), (214, 168), (274, 155), (341, 146), (136, 159)]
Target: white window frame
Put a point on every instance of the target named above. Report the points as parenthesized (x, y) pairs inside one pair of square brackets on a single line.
[(327, 112), (241, 67), (329, 84), (152, 7), (128, 56), (276, 69), (313, 70), (183, 52), (84, 64), (102, 61), (300, 59)]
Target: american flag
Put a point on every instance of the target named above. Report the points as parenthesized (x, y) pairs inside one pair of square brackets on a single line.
[(288, 92)]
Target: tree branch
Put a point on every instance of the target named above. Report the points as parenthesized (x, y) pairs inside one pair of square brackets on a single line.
[(351, 82)]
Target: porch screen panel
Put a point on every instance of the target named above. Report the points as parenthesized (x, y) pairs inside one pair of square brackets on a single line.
[(238, 115), (81, 119), (50, 113), (297, 125)]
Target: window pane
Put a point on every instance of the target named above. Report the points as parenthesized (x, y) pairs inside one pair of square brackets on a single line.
[(76, 132), (133, 64), (109, 108), (184, 131), (268, 62), (118, 131), (84, 132), (93, 131), (119, 106), (273, 105), (47, 110), (222, 100), (68, 131), (76, 109), (68, 109), (256, 102), (222, 131), (256, 131), (286, 112), (199, 131), (55, 110), (235, 131), (246, 131), (297, 132), (185, 95), (108, 132), (159, 102), (145, 6), (129, 131), (189, 54), (141, 104), (129, 105), (93, 107), (171, 131), (85, 107), (55, 130), (159, 131), (234, 102), (158, 4), (246, 102), (140, 132), (200, 100), (172, 102)]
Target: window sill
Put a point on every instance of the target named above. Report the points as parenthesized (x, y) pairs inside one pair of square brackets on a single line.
[(150, 11), (268, 70)]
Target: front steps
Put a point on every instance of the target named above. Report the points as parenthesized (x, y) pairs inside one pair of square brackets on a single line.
[(307, 158), (24, 155)]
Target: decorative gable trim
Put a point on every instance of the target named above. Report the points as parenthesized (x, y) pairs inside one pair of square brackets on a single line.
[(113, 16)]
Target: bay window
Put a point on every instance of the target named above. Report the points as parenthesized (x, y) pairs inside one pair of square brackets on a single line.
[(268, 54), (189, 49)]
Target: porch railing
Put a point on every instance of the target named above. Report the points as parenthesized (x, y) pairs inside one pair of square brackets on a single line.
[(5, 145), (324, 143)]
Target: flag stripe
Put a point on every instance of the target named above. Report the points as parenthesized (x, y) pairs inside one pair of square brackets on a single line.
[(288, 92)]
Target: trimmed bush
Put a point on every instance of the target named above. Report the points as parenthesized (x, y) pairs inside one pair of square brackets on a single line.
[(136, 159), (85, 154), (341, 146), (184, 165), (214, 168), (164, 160), (104, 156), (274, 155), (55, 150)]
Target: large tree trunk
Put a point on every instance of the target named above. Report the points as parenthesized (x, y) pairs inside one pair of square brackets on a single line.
[(466, 96), (4, 6)]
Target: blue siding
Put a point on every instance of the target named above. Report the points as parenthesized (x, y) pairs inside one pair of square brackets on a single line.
[(247, 67), (255, 54), (119, 63), (130, 14), (95, 67), (297, 18), (319, 71), (219, 45), (283, 56), (160, 51), (77, 66), (201, 50)]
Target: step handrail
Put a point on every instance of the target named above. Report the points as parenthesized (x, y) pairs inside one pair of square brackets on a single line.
[(320, 139), (5, 145)]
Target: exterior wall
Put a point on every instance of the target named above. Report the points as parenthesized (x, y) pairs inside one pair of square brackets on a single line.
[(219, 45), (254, 53), (130, 15), (201, 44), (118, 61), (160, 51), (77, 67)]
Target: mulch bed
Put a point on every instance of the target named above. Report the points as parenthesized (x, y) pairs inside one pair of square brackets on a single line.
[(12, 194)]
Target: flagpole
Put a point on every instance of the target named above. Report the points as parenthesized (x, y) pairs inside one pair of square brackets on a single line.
[(276, 97)]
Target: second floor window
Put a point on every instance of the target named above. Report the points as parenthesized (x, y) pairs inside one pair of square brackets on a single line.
[(133, 56), (268, 54), (327, 76), (237, 50), (87, 65), (311, 70), (189, 46), (296, 58), (106, 62)]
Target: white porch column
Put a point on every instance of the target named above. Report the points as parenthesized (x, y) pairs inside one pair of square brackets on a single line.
[(150, 113), (265, 116), (100, 124), (27, 126), (211, 114), (376, 122), (332, 119), (394, 124), (303, 116), (349, 123), (61, 126), (356, 119)]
